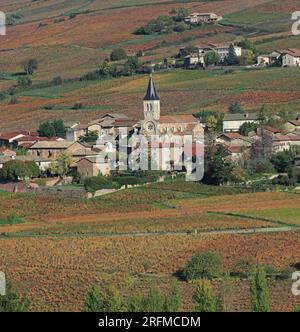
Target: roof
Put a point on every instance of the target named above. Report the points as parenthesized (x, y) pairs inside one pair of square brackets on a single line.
[(178, 119), (271, 129), (125, 123), (232, 135), (84, 152), (292, 51), (92, 159), (12, 135), (5, 159), (151, 91), (286, 138), (51, 145), (241, 117), (295, 122)]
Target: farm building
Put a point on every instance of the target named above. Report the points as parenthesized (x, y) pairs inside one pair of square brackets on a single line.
[(196, 18), (233, 122)]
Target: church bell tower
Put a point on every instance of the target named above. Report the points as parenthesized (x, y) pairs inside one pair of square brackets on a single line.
[(151, 103)]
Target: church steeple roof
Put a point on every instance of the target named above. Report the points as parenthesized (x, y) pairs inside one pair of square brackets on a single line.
[(151, 91)]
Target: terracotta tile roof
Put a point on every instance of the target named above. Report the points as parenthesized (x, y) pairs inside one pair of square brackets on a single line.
[(272, 129), (232, 135), (287, 138), (51, 145), (293, 52), (178, 119)]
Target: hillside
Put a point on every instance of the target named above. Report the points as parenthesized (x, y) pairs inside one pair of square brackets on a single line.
[(71, 38)]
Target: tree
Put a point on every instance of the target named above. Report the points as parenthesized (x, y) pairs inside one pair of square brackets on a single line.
[(46, 129), (211, 123), (259, 290), (247, 58), (107, 300), (30, 66), (173, 301), (55, 128), (135, 304), (248, 45), (235, 108), (282, 160), (118, 54), (15, 170), (217, 168), (232, 59), (24, 81), (57, 80), (154, 302), (247, 128), (90, 136), (204, 297), (212, 58), (61, 165), (11, 302), (204, 265)]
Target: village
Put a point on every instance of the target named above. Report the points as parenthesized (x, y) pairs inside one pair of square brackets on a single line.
[(77, 151)]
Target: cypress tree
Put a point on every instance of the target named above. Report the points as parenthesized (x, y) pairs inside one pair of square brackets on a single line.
[(259, 290), (204, 297)]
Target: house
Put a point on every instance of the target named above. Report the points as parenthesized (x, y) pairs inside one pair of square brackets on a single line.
[(42, 163), (284, 142), (194, 60), (269, 59), (237, 154), (297, 161), (233, 122), (75, 131), (52, 149), (268, 130), (9, 139), (223, 50), (292, 126), (92, 166), (22, 139), (196, 18), (234, 139), (291, 57)]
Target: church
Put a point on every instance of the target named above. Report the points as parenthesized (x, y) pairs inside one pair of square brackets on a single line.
[(156, 124), (153, 123)]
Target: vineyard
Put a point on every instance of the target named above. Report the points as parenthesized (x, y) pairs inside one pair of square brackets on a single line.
[(71, 38), (62, 246)]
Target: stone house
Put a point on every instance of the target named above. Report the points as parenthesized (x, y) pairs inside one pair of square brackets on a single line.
[(92, 166), (52, 149)]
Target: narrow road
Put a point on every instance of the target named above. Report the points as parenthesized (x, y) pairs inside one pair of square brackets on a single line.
[(158, 233)]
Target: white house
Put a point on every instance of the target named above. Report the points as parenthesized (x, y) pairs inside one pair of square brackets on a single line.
[(196, 18), (233, 122), (291, 58), (223, 50)]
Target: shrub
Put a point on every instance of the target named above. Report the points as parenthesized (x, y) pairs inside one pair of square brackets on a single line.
[(107, 300), (11, 302), (204, 265), (15, 169), (118, 54), (94, 183), (243, 267)]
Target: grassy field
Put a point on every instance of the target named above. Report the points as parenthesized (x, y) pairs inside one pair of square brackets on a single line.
[(64, 245)]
